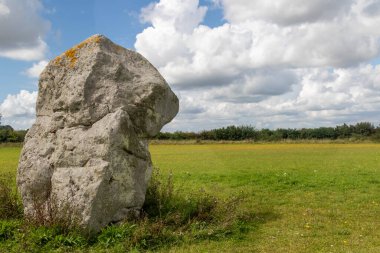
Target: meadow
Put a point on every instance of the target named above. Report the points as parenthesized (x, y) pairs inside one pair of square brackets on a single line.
[(289, 197)]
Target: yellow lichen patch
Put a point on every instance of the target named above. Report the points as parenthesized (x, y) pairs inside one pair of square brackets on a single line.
[(57, 60), (71, 54)]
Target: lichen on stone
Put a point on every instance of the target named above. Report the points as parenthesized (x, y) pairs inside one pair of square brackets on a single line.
[(72, 54), (57, 60)]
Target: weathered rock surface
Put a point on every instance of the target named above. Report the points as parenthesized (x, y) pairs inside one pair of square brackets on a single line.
[(87, 151)]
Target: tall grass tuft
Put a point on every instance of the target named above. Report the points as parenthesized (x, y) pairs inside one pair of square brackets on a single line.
[(10, 204), (175, 206)]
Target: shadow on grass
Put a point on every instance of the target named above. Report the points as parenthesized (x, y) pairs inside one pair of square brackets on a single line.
[(261, 218)]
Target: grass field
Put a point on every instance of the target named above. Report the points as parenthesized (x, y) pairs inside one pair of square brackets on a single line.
[(302, 197)]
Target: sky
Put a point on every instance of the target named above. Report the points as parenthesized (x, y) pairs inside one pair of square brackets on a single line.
[(268, 64)]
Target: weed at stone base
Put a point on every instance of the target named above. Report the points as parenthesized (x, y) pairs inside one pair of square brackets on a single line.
[(10, 204)]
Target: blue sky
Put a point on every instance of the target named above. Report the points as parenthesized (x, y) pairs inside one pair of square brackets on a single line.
[(283, 63)]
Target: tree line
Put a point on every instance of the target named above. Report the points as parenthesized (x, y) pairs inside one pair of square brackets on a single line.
[(8, 134), (359, 131)]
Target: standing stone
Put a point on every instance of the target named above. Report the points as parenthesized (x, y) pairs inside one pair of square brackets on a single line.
[(87, 156)]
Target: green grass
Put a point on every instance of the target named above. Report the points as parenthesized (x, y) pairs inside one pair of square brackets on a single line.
[(9, 159), (299, 198)]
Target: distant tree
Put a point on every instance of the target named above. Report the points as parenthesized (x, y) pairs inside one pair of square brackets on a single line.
[(343, 131), (364, 128)]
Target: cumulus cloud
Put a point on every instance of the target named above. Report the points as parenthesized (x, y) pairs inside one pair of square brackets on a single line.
[(284, 12), (372, 8), (257, 86), (271, 64), (22, 30), (341, 89), (180, 15), (321, 97), (19, 110), (257, 42), (36, 69), (4, 10)]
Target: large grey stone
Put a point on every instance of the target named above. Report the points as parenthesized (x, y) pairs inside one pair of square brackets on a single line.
[(87, 156)]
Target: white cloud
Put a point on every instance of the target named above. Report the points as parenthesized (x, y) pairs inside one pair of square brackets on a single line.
[(284, 12), (4, 10), (256, 86), (341, 89), (19, 110), (321, 97), (36, 69), (255, 43), (272, 64), (181, 15), (22, 30)]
